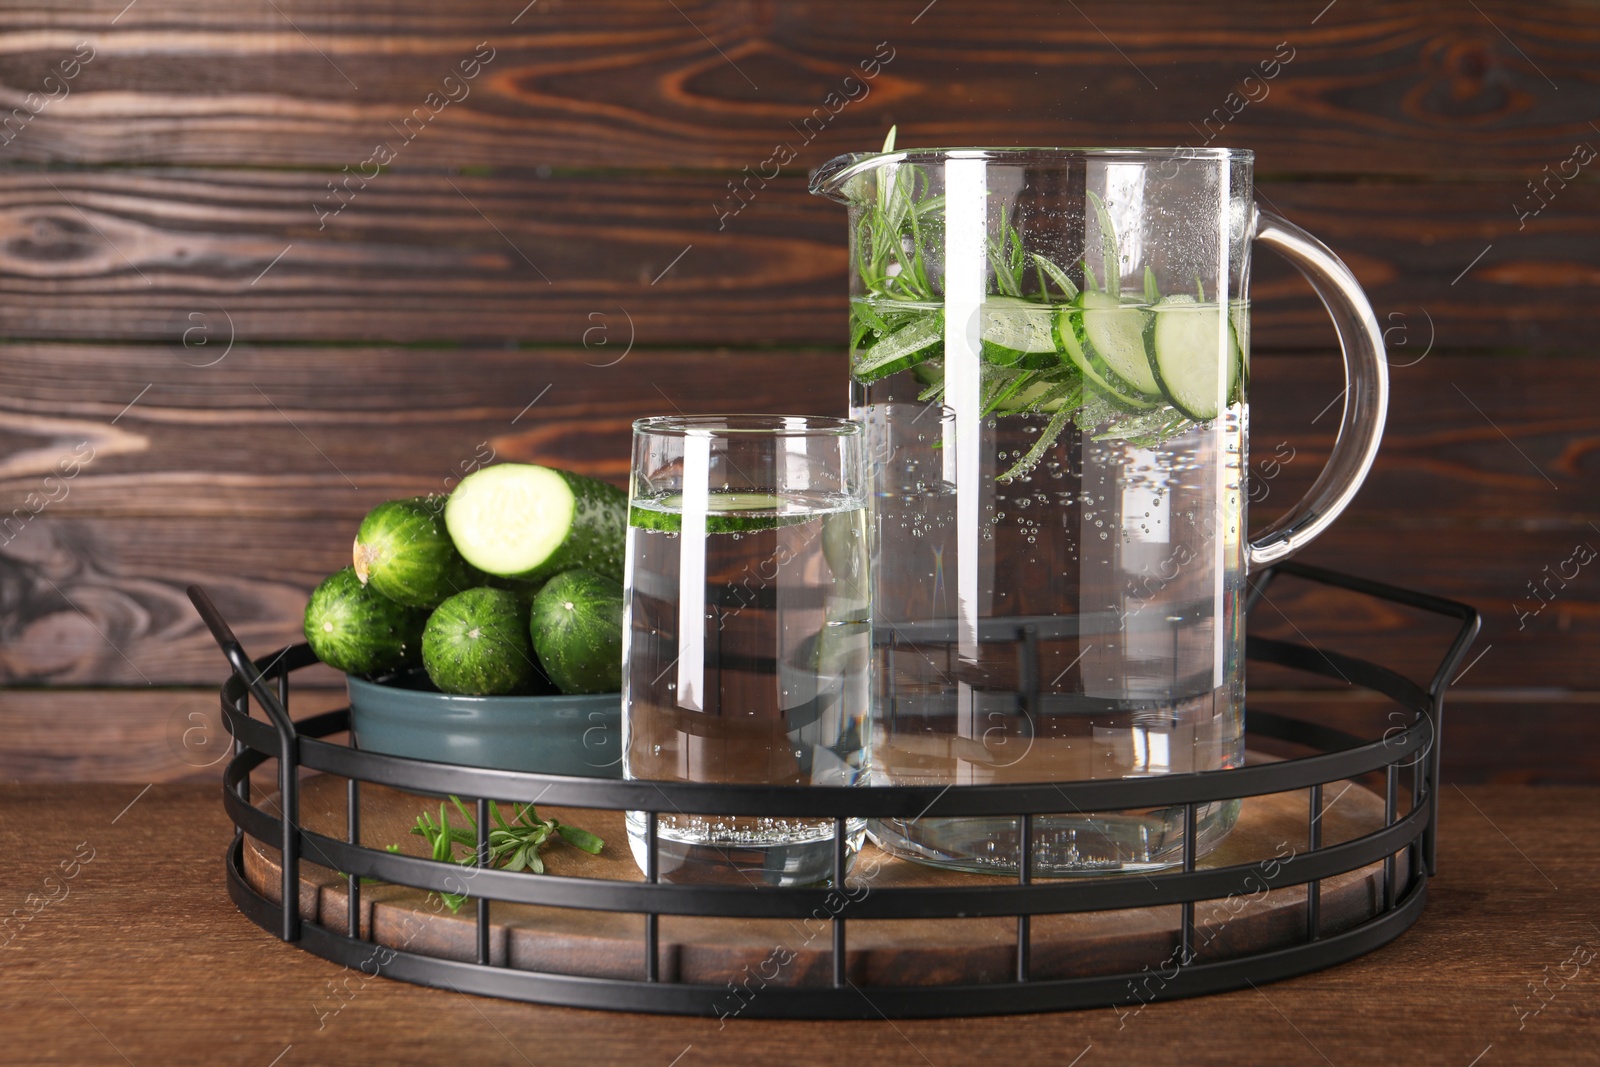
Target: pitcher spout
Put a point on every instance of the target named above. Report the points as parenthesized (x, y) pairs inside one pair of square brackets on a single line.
[(837, 178)]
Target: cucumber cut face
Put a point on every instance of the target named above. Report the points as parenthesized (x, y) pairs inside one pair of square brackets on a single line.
[(1188, 342), (1016, 332), (1070, 333), (1115, 331), (518, 520)]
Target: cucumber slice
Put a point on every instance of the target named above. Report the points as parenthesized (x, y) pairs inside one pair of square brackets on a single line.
[(1070, 334), (726, 512), (1183, 353), (516, 520), (921, 338), (477, 644), (576, 625), (353, 628), (1017, 332), (1029, 397), (404, 552), (1115, 331), (1239, 316)]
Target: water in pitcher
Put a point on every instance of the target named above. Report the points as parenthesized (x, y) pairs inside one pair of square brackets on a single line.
[(747, 659), (1087, 643), (1050, 352)]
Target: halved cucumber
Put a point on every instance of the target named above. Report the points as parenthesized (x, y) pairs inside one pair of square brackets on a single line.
[(1016, 332), (516, 520), (1070, 334), (1186, 341), (1116, 333)]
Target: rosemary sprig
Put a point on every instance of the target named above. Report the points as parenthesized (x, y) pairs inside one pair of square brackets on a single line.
[(513, 845), (898, 323), (1041, 444)]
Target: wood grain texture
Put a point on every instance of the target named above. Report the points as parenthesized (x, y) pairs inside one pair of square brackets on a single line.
[(162, 255), (145, 735), (127, 735), (250, 476), (1501, 737), (328, 432), (147, 946), (1413, 88), (1486, 441), (101, 601), (166, 206)]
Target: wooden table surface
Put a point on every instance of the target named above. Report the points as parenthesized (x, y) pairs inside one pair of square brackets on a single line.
[(142, 959)]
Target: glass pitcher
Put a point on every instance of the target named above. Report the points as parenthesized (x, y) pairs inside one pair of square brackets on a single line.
[(1050, 353)]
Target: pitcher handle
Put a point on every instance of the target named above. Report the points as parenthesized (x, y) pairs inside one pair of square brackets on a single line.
[(1366, 398)]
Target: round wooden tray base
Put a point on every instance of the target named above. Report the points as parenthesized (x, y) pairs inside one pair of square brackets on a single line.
[(797, 952)]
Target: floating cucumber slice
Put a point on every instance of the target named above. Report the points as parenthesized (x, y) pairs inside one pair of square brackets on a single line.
[(920, 339), (1017, 332), (1030, 397), (1184, 340), (928, 372), (727, 512), (1115, 331), (1070, 335)]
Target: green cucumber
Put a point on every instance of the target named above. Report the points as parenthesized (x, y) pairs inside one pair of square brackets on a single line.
[(517, 520), (1182, 343), (1070, 333), (404, 552), (477, 643), (576, 626), (353, 628), (1115, 331), (1017, 332)]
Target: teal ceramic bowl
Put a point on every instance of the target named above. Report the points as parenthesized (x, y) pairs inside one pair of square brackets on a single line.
[(577, 735)]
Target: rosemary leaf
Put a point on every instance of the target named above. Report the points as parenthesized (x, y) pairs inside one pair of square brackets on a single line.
[(1042, 444), (1057, 275), (1110, 257)]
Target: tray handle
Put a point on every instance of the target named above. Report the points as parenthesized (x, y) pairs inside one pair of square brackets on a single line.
[(255, 679)]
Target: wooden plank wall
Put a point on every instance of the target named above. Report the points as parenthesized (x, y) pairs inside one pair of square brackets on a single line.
[(263, 265)]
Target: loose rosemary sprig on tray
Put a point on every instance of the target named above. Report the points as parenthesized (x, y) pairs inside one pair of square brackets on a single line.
[(513, 846)]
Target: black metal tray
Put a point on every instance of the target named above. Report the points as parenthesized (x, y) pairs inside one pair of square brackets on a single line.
[(1407, 836)]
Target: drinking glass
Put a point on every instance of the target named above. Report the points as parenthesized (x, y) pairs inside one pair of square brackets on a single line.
[(747, 637)]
